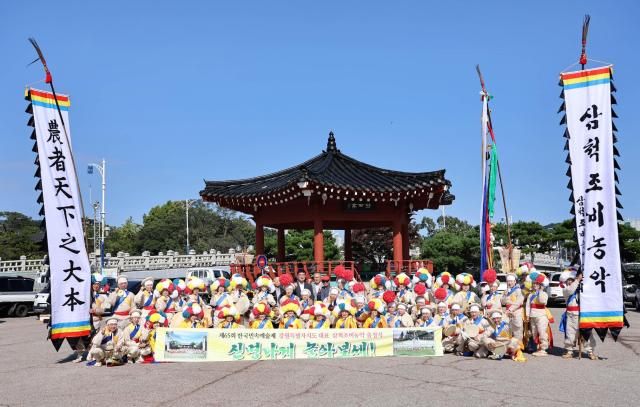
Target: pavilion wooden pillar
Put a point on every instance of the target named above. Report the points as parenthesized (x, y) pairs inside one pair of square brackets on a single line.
[(281, 250), (405, 241), (348, 255), (259, 238), (397, 240), (318, 241)]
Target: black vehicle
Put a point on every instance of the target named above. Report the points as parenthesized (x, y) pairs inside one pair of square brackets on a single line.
[(16, 295)]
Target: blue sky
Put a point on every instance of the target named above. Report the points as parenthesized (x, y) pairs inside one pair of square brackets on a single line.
[(172, 93)]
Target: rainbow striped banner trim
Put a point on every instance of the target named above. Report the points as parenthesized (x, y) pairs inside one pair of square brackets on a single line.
[(45, 99), (582, 79), (603, 319), (70, 329)]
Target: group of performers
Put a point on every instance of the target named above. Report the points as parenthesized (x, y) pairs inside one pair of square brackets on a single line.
[(476, 321)]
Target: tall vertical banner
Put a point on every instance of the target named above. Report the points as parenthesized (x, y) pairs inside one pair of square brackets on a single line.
[(590, 142), (70, 275)]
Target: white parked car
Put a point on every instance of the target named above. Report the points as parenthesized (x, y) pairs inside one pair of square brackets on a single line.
[(208, 274), (554, 290)]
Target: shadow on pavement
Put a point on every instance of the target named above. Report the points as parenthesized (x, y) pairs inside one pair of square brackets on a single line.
[(68, 359)]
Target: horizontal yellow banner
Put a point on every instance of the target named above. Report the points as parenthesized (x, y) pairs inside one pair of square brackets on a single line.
[(201, 345)]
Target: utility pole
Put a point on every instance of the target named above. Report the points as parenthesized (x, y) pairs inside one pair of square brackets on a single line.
[(103, 172)]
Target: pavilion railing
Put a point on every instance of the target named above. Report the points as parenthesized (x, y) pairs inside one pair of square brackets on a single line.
[(251, 271), (409, 267)]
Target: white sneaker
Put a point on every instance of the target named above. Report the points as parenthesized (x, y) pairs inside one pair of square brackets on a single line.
[(540, 353), (78, 359), (98, 364)]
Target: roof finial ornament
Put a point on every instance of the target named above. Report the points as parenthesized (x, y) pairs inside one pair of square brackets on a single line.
[(331, 144)]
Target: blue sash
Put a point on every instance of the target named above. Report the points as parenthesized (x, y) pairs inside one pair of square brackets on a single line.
[(513, 290), (426, 323), (134, 332), (497, 332), (106, 339), (120, 299), (563, 321), (359, 312), (401, 293), (222, 298), (375, 323), (262, 323), (389, 318), (230, 325), (397, 324), (489, 297), (468, 295), (532, 297), (477, 320), (149, 299), (168, 303), (289, 322), (320, 324), (293, 297)]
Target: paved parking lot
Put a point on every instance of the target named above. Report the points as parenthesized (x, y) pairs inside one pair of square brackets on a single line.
[(32, 373)]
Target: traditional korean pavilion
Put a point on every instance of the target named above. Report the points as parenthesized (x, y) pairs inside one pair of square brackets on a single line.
[(333, 191)]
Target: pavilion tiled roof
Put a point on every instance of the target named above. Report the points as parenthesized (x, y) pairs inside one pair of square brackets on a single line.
[(330, 169)]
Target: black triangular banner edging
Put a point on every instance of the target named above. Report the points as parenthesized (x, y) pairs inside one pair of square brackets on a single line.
[(562, 107), (563, 120), (620, 218)]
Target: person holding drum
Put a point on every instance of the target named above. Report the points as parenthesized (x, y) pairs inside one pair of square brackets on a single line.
[(130, 337), (104, 345), (473, 333), (499, 341), (403, 319), (513, 301), (452, 328)]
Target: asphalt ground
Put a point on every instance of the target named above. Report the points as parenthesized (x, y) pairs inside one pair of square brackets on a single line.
[(33, 374)]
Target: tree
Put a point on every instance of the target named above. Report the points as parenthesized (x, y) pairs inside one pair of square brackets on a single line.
[(454, 248), (629, 243), (123, 238), (375, 245), (164, 228), (299, 245), (20, 236), (531, 238)]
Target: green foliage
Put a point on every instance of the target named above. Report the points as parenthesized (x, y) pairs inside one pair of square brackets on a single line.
[(20, 236), (123, 238), (629, 243), (164, 228), (299, 245), (454, 247)]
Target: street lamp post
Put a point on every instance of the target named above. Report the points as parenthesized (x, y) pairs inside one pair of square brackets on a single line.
[(103, 172), (187, 203)]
